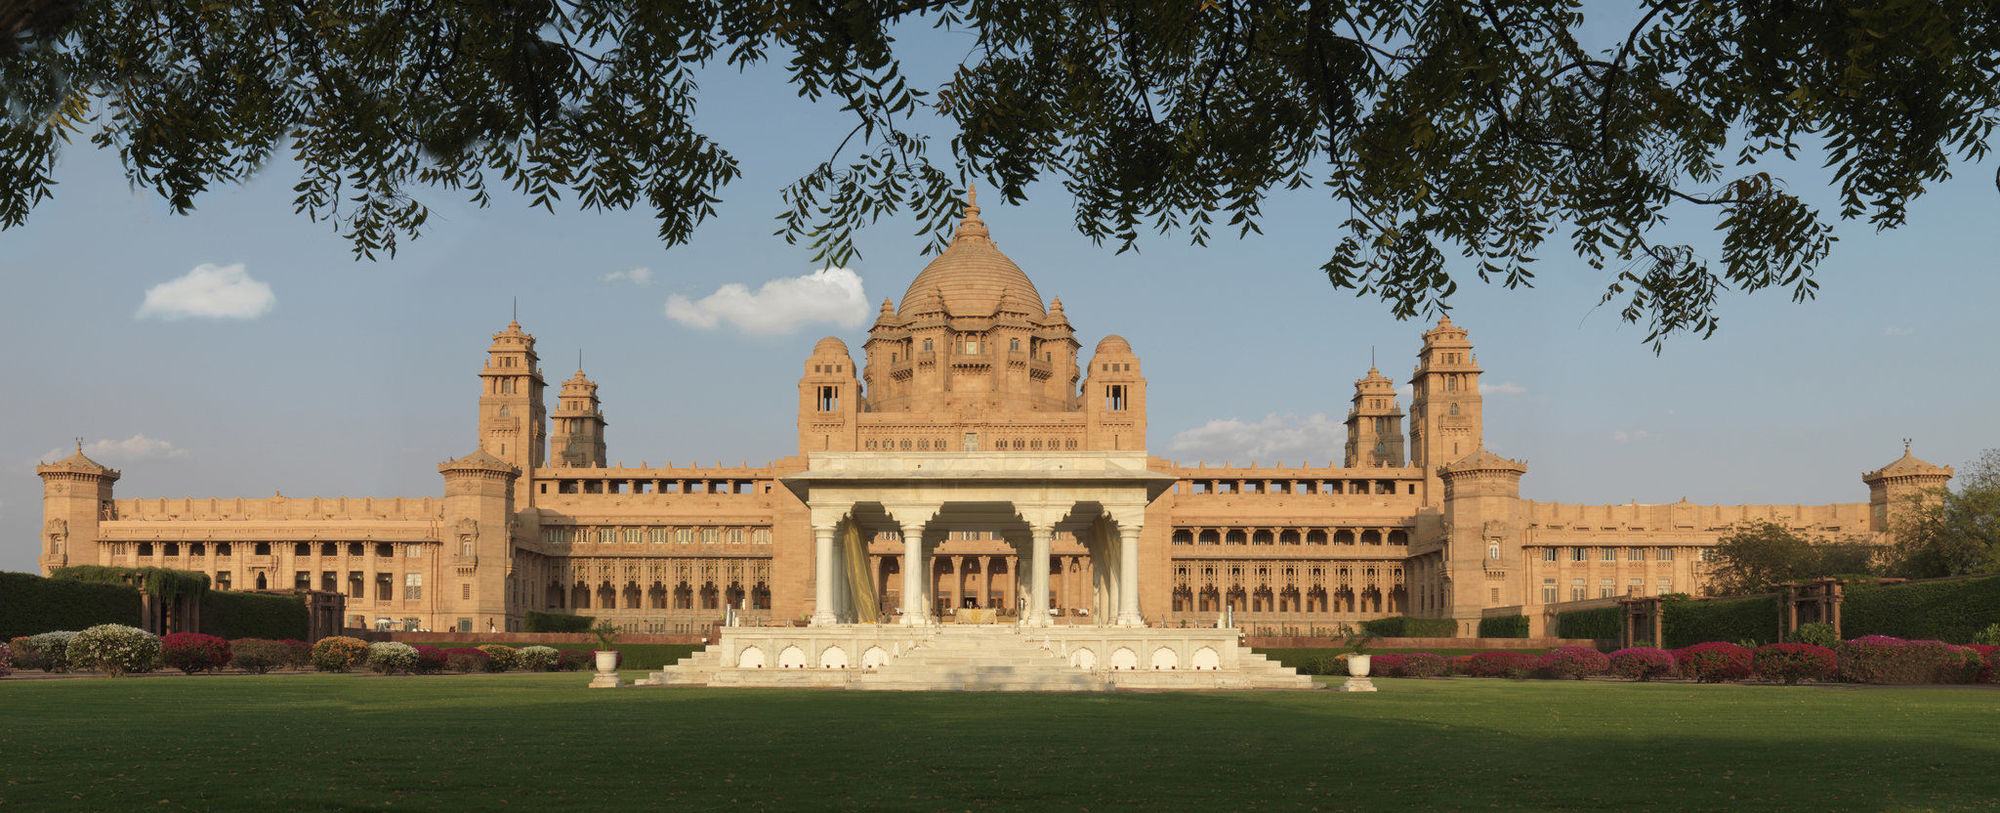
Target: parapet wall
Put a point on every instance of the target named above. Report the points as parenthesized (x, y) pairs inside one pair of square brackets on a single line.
[(160, 509)]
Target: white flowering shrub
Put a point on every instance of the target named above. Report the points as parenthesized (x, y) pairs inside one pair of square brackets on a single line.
[(392, 658), (114, 649), (48, 651), (536, 658)]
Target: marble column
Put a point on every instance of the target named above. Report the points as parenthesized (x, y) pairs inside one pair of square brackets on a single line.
[(1036, 614), (823, 614), (916, 608), (1128, 577)]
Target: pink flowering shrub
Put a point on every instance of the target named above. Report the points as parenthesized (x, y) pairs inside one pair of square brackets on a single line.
[(1791, 663), (500, 657), (1502, 663), (1576, 662), (300, 653), (6, 660), (572, 660), (430, 660), (1385, 665), (1985, 655), (1642, 663), (466, 659), (1422, 665), (1882, 659), (193, 652), (1713, 662), (259, 656), (1458, 665)]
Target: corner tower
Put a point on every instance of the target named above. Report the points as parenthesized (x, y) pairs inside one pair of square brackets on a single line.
[(829, 399), (1899, 486), (1374, 424), (1445, 421), (76, 494), (578, 439), (513, 423)]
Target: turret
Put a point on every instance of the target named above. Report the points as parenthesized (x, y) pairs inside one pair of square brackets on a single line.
[(578, 436), (76, 494), (829, 399), (1901, 486), (1114, 398), (1445, 421), (1484, 529), (477, 526), (513, 423), (1374, 424)]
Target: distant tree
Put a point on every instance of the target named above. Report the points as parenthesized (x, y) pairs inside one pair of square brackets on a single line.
[(1755, 556), (1950, 533), (1479, 129)]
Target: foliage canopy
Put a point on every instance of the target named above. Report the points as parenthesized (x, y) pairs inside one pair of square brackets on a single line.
[(1477, 129), (1951, 533)]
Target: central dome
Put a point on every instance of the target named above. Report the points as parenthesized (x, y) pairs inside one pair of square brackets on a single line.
[(972, 277)]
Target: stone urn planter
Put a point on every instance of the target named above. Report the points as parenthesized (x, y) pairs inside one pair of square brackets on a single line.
[(1357, 674), (1357, 665), (607, 658)]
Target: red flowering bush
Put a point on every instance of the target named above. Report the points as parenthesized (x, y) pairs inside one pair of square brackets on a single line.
[(1882, 659), (1501, 663), (193, 652), (300, 655), (1791, 663), (1422, 664), (1642, 663), (1985, 653), (466, 659), (1576, 662), (572, 660), (430, 660), (259, 656), (1458, 665), (1713, 662), (1385, 665)]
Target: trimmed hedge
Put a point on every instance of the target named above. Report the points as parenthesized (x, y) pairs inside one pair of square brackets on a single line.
[(557, 622), (1729, 620), (1403, 626), (1952, 611), (1603, 622), (162, 582), (30, 604), (1511, 626), (254, 615)]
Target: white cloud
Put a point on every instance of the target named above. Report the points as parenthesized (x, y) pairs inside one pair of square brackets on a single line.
[(781, 306), (1274, 439), (1892, 330), (1627, 437), (637, 276), (1502, 388), (1406, 392), (209, 292), (136, 447)]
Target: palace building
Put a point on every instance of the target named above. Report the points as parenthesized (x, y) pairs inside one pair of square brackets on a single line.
[(972, 463)]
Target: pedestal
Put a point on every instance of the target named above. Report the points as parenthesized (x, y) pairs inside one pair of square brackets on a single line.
[(606, 680), (1357, 684)]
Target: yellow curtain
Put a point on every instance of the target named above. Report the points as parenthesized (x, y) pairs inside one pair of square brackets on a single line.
[(860, 577)]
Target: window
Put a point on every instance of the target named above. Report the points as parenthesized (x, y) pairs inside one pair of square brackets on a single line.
[(760, 536), (1014, 344), (1454, 409), (1577, 592), (1635, 554), (1548, 554), (1610, 554), (413, 551), (1578, 555), (413, 586), (1548, 591), (385, 551), (1708, 554), (971, 443), (465, 625), (222, 580), (1665, 586), (829, 399), (1635, 587), (465, 591), (302, 580), (710, 536), (927, 345), (1114, 397), (262, 549), (302, 549), (1665, 555), (1493, 549), (1604, 588)]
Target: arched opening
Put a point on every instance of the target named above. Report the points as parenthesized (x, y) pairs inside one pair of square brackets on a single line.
[(631, 595), (656, 596), (580, 597), (607, 598), (683, 596), (261, 584), (555, 595), (710, 597)]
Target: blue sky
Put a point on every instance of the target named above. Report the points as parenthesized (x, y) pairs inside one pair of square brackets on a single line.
[(356, 378)]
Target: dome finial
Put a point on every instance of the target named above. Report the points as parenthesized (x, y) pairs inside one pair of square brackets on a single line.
[(971, 225)]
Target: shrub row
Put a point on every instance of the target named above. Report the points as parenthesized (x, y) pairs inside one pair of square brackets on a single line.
[(254, 615), (30, 604), (1512, 626), (1941, 611), (1873, 659), (1603, 622), (1403, 626), (557, 622)]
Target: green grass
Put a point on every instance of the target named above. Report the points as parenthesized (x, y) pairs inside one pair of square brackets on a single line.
[(543, 742), (636, 656)]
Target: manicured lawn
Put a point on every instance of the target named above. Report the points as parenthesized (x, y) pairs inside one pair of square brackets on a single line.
[(540, 741), (636, 656)]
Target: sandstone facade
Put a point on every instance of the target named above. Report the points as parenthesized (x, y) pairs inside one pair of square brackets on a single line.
[(970, 368)]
